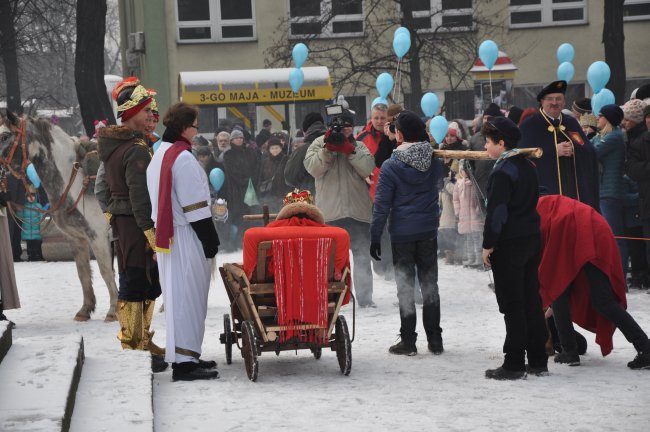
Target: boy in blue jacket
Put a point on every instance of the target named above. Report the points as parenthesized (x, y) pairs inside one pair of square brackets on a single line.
[(512, 247), (408, 191)]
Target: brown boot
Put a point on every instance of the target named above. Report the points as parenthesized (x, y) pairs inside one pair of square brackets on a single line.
[(148, 309), (130, 316)]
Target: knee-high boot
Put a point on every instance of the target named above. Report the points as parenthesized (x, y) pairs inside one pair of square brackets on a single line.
[(148, 309), (130, 316)]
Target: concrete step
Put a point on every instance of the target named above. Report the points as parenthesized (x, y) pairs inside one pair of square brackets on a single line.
[(115, 392), (5, 339), (39, 379)]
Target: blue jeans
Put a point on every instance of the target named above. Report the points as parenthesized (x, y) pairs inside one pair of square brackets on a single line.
[(614, 212)]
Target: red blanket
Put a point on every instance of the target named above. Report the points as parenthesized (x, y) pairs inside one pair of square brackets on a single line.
[(301, 286), (574, 234)]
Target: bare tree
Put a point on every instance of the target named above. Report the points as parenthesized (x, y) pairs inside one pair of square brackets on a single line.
[(446, 49), (9, 11), (89, 63), (113, 55), (614, 41)]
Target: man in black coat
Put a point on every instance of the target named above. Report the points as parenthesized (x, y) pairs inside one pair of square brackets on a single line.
[(569, 165), (295, 174)]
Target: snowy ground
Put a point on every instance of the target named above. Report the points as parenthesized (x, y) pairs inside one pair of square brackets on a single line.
[(383, 392)]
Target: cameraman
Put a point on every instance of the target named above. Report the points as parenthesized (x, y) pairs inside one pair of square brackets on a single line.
[(340, 165)]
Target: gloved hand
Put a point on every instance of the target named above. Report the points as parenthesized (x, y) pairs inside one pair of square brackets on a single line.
[(207, 235), (375, 251), (346, 147)]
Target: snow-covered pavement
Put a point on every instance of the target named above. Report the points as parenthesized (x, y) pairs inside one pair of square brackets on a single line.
[(383, 392)]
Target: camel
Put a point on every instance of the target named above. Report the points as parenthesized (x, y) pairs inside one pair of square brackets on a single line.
[(53, 154)]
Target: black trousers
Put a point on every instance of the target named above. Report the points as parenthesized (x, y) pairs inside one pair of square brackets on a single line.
[(422, 257), (14, 236), (359, 244), (514, 265), (34, 250), (636, 249), (602, 299)]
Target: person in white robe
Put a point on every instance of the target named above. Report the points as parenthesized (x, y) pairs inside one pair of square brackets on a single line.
[(186, 242)]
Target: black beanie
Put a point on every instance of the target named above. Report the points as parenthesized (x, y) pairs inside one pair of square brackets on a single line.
[(493, 110), (310, 119), (515, 114)]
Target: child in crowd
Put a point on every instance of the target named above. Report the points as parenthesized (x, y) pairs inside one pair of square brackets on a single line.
[(448, 230), (31, 216), (512, 247), (467, 208)]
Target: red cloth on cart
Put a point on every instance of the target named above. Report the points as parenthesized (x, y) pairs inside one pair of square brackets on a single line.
[(574, 234), (301, 286)]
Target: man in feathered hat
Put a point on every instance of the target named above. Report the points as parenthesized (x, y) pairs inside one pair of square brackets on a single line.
[(568, 166), (125, 154)]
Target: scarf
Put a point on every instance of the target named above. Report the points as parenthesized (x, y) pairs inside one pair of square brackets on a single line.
[(165, 220)]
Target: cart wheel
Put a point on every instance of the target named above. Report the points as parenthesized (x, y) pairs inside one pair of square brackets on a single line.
[(227, 331), (343, 345), (249, 349), (317, 352)]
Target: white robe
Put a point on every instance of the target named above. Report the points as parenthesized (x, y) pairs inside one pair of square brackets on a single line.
[(185, 271)]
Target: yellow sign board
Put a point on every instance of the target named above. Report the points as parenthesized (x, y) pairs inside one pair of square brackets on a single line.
[(230, 97), (484, 76)]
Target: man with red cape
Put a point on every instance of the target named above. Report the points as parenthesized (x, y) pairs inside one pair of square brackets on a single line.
[(581, 277)]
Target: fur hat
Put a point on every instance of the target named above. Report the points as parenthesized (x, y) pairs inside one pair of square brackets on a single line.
[(613, 113), (643, 92), (454, 130), (273, 141), (310, 119), (633, 110), (588, 120), (236, 133), (300, 202)]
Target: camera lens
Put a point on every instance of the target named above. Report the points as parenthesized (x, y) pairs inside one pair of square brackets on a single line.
[(391, 127)]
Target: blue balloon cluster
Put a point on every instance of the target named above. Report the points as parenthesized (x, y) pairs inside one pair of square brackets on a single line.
[(297, 76), (600, 99), (565, 54), (401, 42), (598, 75), (488, 52)]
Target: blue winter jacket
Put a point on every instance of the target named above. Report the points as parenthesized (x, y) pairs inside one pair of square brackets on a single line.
[(611, 158), (31, 221), (408, 191)]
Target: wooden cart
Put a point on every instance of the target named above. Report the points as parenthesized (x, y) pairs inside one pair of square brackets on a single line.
[(253, 324)]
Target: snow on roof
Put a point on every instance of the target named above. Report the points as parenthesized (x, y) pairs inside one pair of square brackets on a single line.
[(246, 78)]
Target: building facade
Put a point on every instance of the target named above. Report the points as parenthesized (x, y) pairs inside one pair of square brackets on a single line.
[(163, 38)]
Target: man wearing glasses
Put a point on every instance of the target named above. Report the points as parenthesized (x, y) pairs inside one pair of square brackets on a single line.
[(569, 165)]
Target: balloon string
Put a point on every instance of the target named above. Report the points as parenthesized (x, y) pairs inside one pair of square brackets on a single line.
[(395, 88), (490, 75)]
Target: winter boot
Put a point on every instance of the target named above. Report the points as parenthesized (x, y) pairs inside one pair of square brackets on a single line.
[(189, 371), (404, 348), (537, 370), (158, 363), (501, 373), (641, 361), (148, 309), (431, 320), (435, 344), (571, 358), (4, 318), (130, 316)]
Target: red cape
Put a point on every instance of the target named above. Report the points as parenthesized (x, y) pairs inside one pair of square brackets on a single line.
[(574, 234)]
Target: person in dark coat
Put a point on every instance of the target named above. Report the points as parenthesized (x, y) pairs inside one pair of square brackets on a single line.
[(295, 174), (272, 185), (408, 192), (481, 168), (241, 165), (512, 246), (569, 165), (264, 134)]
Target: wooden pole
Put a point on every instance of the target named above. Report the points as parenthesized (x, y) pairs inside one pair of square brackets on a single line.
[(482, 155)]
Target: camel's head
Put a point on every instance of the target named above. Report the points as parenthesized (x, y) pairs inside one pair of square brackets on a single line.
[(38, 138)]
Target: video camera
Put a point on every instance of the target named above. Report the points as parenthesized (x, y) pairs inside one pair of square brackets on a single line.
[(337, 119)]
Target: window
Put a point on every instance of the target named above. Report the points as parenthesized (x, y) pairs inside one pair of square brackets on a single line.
[(547, 13), (215, 20), (326, 18), (450, 15), (636, 10)]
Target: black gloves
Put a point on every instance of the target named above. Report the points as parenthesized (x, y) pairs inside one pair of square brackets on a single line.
[(207, 234), (375, 251)]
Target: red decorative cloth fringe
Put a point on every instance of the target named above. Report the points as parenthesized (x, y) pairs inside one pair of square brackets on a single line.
[(165, 217), (301, 286)]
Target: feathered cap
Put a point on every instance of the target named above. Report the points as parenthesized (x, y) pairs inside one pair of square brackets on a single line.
[(300, 202), (131, 97)]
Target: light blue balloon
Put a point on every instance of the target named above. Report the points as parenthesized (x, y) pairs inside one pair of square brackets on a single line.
[(429, 104), (401, 44), (565, 71), (602, 98), (156, 145), (565, 53), (488, 52), (216, 178), (379, 100), (299, 54), (33, 177), (401, 30), (438, 128), (598, 75), (296, 79), (384, 84)]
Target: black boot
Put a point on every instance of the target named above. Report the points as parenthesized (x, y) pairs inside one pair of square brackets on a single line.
[(190, 371), (207, 364), (4, 318), (431, 321), (404, 348), (571, 358), (158, 363), (502, 373)]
